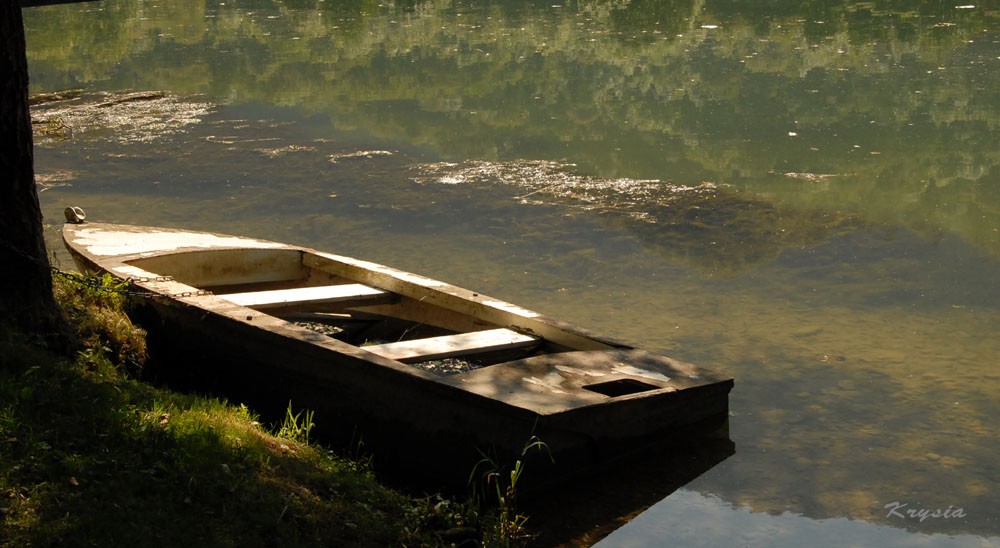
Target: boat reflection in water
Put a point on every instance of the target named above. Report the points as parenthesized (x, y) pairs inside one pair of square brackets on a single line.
[(583, 509)]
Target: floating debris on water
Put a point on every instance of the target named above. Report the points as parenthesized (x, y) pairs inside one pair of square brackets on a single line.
[(53, 179), (123, 117), (812, 177), (281, 151), (556, 182), (359, 155)]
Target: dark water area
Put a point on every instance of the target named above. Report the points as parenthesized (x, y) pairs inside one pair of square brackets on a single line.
[(804, 197)]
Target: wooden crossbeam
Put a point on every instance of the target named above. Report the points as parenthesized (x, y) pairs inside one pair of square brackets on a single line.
[(447, 346), (310, 297)]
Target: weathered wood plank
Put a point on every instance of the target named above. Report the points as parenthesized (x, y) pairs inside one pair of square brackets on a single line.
[(296, 297), (205, 268), (447, 346)]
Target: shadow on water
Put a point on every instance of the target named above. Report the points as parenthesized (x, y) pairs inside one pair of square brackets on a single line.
[(588, 506)]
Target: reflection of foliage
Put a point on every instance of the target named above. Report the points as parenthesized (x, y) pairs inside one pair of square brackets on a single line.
[(678, 81), (665, 16), (697, 90)]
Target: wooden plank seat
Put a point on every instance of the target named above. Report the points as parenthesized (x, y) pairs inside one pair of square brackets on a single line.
[(310, 298), (447, 346)]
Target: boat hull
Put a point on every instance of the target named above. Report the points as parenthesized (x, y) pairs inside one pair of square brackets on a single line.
[(587, 398)]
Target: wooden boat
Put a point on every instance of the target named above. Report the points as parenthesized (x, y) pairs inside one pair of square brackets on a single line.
[(365, 346)]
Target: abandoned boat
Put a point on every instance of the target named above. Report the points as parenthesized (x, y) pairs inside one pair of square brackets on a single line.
[(379, 353)]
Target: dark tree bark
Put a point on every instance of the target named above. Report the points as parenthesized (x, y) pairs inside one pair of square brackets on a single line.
[(25, 277)]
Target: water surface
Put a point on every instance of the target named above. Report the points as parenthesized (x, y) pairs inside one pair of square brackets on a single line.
[(805, 198)]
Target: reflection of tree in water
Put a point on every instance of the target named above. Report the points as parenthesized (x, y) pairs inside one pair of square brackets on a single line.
[(895, 93), (712, 227)]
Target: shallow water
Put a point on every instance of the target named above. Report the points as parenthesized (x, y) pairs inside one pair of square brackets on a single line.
[(807, 201)]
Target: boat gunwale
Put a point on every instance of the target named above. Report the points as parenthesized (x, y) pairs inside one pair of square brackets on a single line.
[(400, 282)]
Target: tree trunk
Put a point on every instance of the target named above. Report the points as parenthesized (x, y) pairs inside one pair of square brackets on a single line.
[(25, 276)]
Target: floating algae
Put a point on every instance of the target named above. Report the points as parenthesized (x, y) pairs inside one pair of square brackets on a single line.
[(123, 117)]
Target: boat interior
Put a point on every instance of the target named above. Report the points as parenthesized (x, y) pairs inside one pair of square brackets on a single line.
[(437, 327)]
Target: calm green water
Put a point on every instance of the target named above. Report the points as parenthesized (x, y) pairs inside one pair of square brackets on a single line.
[(806, 198)]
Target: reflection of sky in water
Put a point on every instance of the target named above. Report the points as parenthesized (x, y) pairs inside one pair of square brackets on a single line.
[(688, 518)]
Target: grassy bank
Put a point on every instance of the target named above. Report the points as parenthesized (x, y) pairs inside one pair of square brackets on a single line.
[(89, 456)]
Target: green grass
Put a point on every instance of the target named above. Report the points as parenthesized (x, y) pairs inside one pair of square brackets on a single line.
[(89, 456), (505, 527)]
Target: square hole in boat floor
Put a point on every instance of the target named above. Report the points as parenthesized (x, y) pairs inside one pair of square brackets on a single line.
[(620, 387)]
